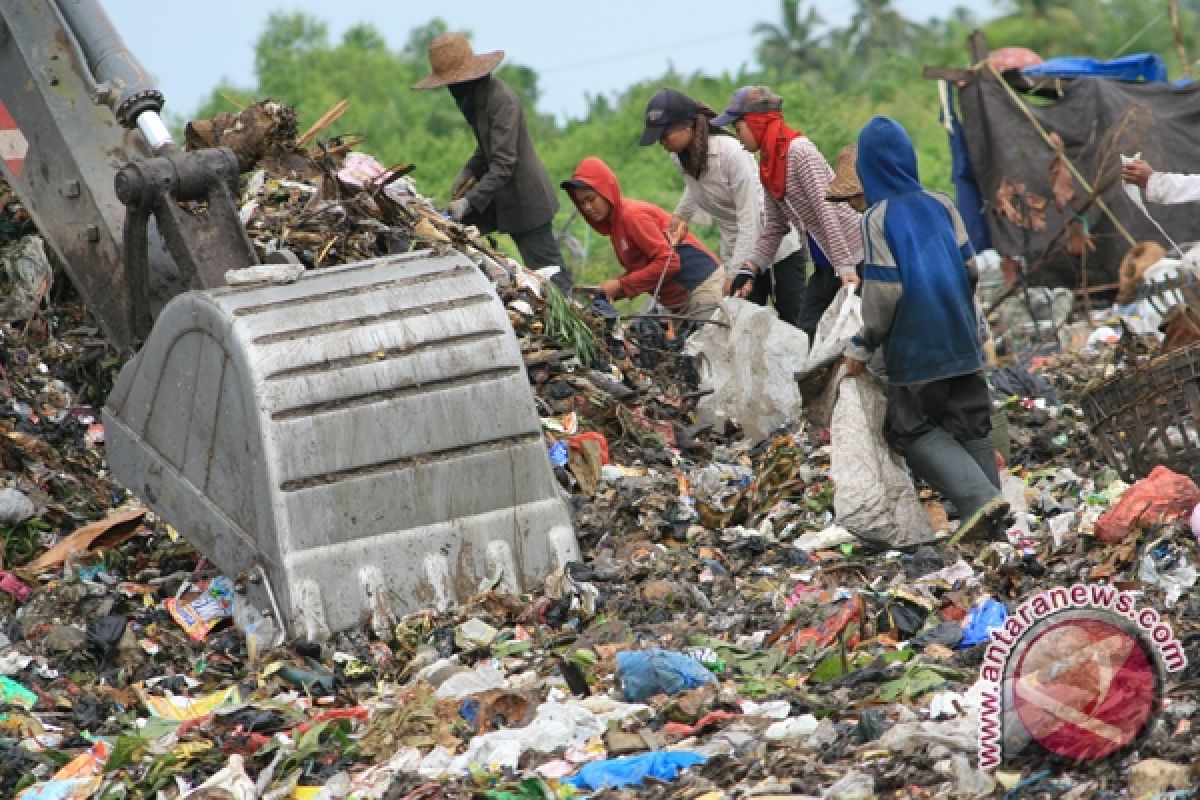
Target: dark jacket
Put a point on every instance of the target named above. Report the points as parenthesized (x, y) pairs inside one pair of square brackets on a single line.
[(511, 178), (917, 298), (638, 232)]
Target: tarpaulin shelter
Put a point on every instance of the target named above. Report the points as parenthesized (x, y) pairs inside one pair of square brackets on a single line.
[(1007, 133)]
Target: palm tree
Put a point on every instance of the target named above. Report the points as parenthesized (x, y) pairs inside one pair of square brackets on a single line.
[(793, 46), (879, 30)]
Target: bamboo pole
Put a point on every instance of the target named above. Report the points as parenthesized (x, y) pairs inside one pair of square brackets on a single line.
[(1173, 5)]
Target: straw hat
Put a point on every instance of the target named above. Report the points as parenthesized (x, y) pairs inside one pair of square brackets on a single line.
[(454, 61), (845, 176)]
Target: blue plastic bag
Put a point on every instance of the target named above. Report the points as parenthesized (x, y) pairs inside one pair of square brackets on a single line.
[(645, 673), (632, 770), (981, 619), (559, 453)]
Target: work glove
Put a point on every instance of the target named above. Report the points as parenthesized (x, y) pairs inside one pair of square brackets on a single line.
[(462, 184), (459, 208)]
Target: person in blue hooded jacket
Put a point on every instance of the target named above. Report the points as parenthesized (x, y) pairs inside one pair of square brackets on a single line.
[(918, 306)]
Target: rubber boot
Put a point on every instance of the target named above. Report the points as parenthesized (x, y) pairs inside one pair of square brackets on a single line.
[(984, 453), (948, 467)]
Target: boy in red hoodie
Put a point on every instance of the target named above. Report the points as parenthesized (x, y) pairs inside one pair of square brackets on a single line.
[(685, 276)]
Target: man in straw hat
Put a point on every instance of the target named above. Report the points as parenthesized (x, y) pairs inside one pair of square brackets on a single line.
[(503, 185)]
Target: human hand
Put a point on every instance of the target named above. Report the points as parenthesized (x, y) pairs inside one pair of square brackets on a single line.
[(850, 279), (462, 184), (853, 366), (742, 283), (610, 288), (459, 208), (678, 230), (1136, 172)]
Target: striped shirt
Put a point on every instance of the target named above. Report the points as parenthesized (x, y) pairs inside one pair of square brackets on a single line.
[(836, 227)]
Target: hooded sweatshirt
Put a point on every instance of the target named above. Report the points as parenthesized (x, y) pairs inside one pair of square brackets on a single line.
[(638, 232), (918, 271)]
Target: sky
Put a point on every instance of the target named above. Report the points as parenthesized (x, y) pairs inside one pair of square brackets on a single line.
[(576, 47)]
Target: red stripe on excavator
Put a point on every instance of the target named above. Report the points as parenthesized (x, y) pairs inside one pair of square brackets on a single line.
[(12, 142)]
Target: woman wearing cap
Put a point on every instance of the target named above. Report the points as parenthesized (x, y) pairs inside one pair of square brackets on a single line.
[(721, 179), (503, 185), (682, 276), (796, 178)]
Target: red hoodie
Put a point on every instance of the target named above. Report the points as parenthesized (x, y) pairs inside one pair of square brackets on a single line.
[(639, 237)]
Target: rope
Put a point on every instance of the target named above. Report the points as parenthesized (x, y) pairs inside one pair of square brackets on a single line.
[(1071, 166)]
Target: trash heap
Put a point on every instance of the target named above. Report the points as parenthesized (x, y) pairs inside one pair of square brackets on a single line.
[(722, 637)]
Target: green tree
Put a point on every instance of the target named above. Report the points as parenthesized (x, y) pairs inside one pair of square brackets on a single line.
[(878, 31), (793, 46)]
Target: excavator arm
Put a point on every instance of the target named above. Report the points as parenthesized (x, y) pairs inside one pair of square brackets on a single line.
[(88, 154)]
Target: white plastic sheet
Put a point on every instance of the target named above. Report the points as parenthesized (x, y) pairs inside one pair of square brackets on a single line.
[(874, 497), (749, 362)]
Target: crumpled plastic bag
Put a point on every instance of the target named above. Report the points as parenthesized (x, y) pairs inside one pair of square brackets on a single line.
[(645, 673), (1162, 496), (980, 621), (30, 277), (633, 770), (874, 497), (749, 366)]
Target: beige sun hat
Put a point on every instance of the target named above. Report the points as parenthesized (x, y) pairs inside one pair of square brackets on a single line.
[(845, 182), (453, 61)]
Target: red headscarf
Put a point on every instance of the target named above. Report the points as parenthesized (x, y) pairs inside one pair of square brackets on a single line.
[(773, 137)]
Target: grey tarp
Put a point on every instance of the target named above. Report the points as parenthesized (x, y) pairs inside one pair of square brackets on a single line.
[(1159, 120)]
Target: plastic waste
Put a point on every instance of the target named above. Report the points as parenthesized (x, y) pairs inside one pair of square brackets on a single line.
[(485, 676), (826, 539), (230, 782), (1195, 522), (791, 729), (15, 507), (645, 673), (30, 277), (986, 614), (957, 733), (1162, 496), (557, 725), (748, 363), (560, 453), (633, 770), (260, 630), (1166, 566), (851, 786)]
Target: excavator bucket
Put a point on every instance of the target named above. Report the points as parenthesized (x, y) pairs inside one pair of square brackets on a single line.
[(351, 447)]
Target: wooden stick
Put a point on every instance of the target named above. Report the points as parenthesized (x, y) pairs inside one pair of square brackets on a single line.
[(328, 118)]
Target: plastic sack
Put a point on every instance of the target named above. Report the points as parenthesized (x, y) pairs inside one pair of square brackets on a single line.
[(840, 321), (30, 277), (645, 673), (748, 358), (874, 497), (981, 619), (633, 770), (1162, 496)]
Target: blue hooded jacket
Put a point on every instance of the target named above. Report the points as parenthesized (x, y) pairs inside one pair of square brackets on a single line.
[(917, 296)]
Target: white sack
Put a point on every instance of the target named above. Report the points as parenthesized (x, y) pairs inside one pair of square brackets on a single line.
[(874, 497), (750, 366)]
